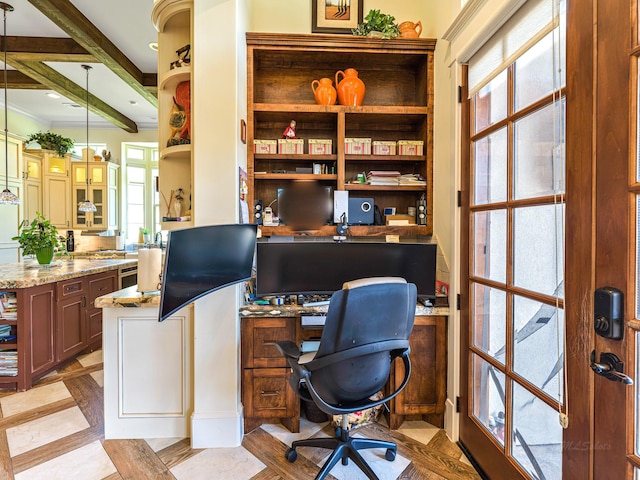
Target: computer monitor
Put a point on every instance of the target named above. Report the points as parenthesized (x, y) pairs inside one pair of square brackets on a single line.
[(305, 205), (201, 260), (321, 267)]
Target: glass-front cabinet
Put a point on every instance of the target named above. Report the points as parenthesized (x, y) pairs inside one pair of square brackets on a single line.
[(103, 179)]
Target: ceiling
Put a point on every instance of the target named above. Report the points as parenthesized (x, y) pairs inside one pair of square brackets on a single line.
[(48, 41)]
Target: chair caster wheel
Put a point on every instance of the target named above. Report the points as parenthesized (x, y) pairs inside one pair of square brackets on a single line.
[(338, 432), (390, 455), (291, 455)]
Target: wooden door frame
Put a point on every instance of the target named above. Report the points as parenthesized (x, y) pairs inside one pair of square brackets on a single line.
[(598, 136)]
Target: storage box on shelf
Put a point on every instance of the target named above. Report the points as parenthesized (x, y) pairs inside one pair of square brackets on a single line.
[(398, 105), (173, 20)]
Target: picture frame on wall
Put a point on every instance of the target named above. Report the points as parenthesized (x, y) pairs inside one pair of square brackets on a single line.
[(335, 16)]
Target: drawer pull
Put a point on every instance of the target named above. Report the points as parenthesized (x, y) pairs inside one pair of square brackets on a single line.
[(102, 289), (72, 288), (269, 343), (270, 393)]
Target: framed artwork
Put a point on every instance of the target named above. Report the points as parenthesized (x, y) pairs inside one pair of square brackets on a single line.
[(335, 16)]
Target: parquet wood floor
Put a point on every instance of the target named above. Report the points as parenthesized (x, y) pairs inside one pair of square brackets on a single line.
[(55, 431)]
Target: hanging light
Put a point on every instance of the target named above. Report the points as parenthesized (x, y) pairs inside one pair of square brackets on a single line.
[(87, 205), (6, 197)]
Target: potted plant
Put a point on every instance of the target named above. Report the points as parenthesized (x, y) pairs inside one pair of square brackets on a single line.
[(377, 24), (52, 141), (40, 238)]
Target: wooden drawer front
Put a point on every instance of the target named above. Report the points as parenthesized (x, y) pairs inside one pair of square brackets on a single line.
[(71, 288), (101, 285), (267, 393), (259, 336)]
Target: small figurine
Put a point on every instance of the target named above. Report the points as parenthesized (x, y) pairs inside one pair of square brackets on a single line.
[(184, 57), (106, 155), (290, 131), (177, 121)]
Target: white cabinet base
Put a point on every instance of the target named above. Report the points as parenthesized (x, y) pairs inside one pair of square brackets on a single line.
[(147, 373)]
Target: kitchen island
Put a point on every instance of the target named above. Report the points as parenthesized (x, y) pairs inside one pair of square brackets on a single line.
[(51, 316), (147, 367)]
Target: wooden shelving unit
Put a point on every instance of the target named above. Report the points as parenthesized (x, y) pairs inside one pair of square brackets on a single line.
[(398, 105)]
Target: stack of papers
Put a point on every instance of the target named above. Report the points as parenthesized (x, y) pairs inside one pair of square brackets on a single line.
[(8, 363), (383, 177), (378, 177), (8, 306)]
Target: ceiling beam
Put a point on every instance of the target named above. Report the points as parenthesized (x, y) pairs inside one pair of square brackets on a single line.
[(18, 80), (79, 28), (48, 49), (55, 81)]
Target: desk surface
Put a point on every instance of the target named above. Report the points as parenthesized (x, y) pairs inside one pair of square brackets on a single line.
[(293, 310)]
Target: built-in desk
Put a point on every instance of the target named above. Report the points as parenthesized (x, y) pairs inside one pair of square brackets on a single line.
[(267, 397)]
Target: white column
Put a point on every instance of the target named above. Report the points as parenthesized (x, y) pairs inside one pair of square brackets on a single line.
[(217, 89)]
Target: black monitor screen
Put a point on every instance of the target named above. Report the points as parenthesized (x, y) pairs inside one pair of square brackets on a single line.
[(203, 259), (321, 267), (305, 205)]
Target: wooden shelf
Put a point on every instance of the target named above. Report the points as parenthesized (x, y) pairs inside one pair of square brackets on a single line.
[(172, 78), (398, 105), (176, 152)]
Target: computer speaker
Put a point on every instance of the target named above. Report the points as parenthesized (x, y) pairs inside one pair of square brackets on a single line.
[(421, 212), (258, 212)]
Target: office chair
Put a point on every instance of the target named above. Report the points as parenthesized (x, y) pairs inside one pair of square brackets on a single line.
[(367, 327)]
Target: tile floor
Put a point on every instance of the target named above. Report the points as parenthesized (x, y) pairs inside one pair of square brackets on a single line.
[(55, 431)]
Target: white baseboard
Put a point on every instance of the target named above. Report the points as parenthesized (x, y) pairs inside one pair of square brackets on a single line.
[(451, 421), (219, 430)]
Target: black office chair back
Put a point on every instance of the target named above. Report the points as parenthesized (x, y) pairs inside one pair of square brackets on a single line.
[(360, 316)]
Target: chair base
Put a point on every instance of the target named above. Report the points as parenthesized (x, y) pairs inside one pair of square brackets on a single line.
[(344, 448)]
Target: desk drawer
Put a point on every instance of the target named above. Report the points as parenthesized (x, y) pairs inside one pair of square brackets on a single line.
[(259, 336), (267, 394)]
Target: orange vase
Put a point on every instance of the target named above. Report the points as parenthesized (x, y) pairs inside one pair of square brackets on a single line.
[(324, 92), (351, 89), (410, 29)]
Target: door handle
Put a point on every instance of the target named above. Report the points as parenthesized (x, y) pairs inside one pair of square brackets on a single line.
[(610, 367)]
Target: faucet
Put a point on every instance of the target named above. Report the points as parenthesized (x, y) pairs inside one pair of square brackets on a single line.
[(158, 239)]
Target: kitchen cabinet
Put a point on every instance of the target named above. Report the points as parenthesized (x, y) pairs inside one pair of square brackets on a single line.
[(173, 20), (11, 215), (101, 189), (79, 323), (98, 285), (71, 328), (56, 188), (32, 186), (398, 105)]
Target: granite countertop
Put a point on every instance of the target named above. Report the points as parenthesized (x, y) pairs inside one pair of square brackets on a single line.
[(292, 310), (29, 274), (128, 297)]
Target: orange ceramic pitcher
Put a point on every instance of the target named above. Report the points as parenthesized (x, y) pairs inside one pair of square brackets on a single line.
[(410, 29), (324, 92), (350, 89)]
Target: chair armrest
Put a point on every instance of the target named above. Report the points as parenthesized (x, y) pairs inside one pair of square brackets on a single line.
[(336, 410), (288, 349)]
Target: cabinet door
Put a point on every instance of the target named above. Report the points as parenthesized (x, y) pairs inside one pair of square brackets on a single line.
[(71, 332), (32, 198), (98, 219), (80, 219), (14, 161), (56, 200), (99, 285), (39, 313), (425, 393)]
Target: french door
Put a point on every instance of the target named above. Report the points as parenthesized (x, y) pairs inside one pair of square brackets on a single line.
[(581, 420)]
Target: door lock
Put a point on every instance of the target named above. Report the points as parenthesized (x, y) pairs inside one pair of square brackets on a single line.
[(608, 313), (610, 367)]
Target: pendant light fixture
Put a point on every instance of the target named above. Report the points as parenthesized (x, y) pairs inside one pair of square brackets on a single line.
[(6, 197), (87, 205)]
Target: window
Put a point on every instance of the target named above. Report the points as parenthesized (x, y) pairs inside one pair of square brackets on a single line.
[(516, 238), (141, 210)]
